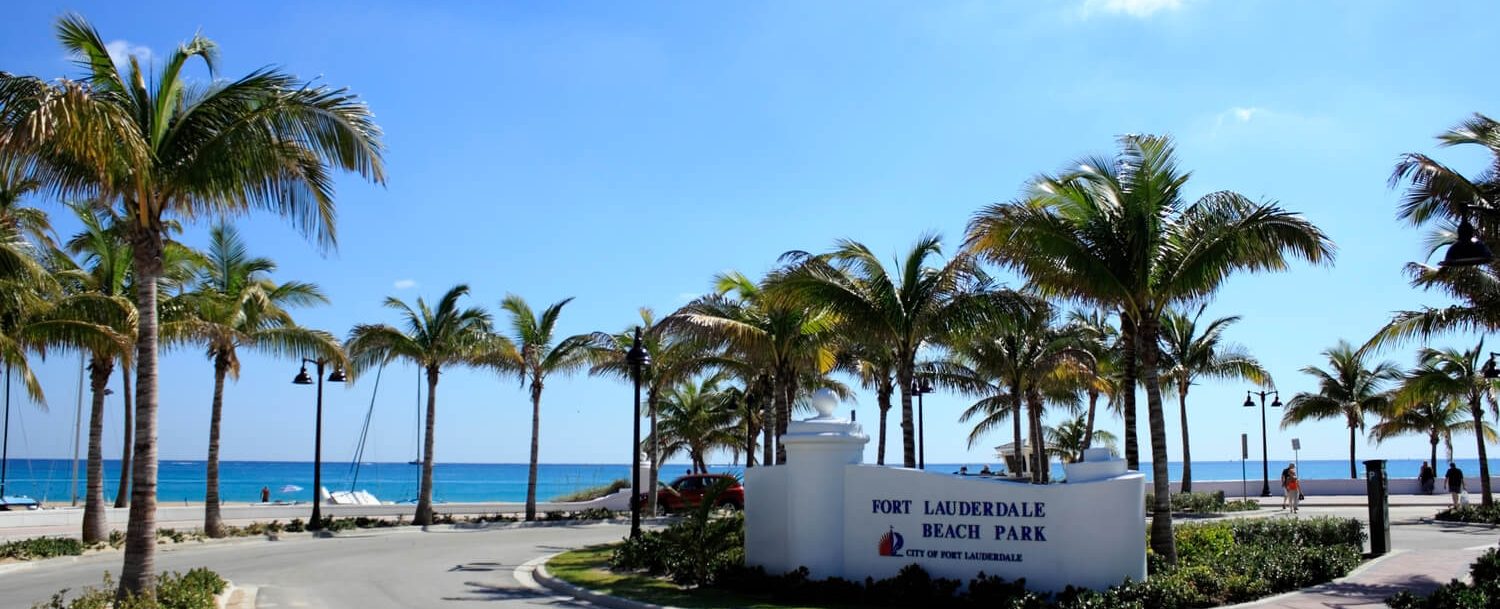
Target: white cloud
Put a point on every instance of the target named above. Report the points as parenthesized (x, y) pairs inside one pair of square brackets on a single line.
[(121, 51), (1240, 115), (405, 284), (1133, 8), (1245, 114)]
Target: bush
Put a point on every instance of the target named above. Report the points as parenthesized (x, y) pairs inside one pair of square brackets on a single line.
[(192, 590), (1242, 505), (594, 492), (1321, 531), (1482, 593), (1477, 514), (41, 547), (695, 551), (1203, 503)]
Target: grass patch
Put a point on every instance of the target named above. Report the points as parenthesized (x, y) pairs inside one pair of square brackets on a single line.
[(589, 568)]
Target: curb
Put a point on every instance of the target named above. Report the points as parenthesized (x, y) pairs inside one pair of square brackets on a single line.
[(533, 574)]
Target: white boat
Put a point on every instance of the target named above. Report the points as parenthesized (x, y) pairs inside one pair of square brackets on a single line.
[(349, 497)]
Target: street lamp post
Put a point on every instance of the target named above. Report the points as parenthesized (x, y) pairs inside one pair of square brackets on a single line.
[(638, 359), (921, 386), (303, 379), (1265, 462)]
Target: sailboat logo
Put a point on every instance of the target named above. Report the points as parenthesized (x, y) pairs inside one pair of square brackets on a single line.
[(891, 543)]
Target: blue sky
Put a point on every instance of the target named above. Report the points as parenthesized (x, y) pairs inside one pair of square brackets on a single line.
[(624, 153)]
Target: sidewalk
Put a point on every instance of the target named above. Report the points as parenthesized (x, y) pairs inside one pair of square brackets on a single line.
[(1418, 571), (1435, 501)]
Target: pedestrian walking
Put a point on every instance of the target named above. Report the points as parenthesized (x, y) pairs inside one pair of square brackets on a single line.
[(1286, 473), (1293, 487), (1455, 479), (1427, 478)]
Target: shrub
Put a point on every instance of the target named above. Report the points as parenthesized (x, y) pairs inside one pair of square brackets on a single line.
[(1482, 593), (1203, 543), (41, 547), (697, 550), (192, 590), (1320, 531), (594, 492), (1242, 505), (1478, 514)]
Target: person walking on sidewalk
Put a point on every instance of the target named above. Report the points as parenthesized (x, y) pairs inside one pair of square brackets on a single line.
[(1293, 491), (1286, 474), (1455, 479), (1427, 478)]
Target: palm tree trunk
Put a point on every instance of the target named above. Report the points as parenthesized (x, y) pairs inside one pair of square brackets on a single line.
[(1161, 516), (751, 428), (651, 479), (536, 429), (1486, 498), (1187, 455), (423, 516), (95, 525), (908, 431), (768, 424), (788, 395), (1353, 473), (1127, 387), (1088, 426), (1038, 442), (138, 574), (883, 400), (1015, 421), (213, 522), (122, 493)]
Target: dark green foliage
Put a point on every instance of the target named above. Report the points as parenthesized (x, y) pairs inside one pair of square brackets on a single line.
[(696, 551), (1241, 505), (192, 590), (1482, 593), (1478, 514), (41, 547), (1312, 532), (1204, 503)]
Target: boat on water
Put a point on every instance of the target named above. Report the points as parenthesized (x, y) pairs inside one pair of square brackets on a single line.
[(12, 502)]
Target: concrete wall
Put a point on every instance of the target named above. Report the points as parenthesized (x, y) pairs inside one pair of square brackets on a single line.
[(1325, 487)]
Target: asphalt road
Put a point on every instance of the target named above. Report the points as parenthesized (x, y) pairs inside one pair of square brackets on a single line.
[(402, 568)]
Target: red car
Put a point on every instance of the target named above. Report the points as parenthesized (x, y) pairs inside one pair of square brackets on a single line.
[(687, 492)]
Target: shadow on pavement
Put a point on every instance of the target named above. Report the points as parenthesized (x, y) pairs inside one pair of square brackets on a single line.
[(488, 592)]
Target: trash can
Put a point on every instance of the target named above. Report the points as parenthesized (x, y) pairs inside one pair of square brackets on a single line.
[(1377, 488)]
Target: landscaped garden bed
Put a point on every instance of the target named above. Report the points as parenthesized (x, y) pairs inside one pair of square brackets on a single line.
[(1223, 562)]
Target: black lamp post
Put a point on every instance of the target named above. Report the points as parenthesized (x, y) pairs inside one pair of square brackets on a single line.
[(1467, 250), (303, 379), (919, 387), (638, 359), (1265, 462)]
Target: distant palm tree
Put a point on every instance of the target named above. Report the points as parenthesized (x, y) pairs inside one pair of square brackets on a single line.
[(1189, 355), (533, 352), (1067, 439), (785, 339), (1119, 233), (1348, 389), (265, 141), (431, 339), (901, 307), (874, 366), (672, 359), (235, 306), (1100, 339), (1436, 419), (699, 418), (1453, 374)]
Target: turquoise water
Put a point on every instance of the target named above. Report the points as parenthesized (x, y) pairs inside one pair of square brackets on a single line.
[(240, 481)]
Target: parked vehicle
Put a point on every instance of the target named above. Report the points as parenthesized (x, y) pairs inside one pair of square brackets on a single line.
[(687, 492)]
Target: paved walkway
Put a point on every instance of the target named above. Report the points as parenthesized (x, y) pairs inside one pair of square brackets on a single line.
[(1418, 571)]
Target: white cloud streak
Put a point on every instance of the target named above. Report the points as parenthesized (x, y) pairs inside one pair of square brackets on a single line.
[(121, 51), (405, 284), (1139, 9)]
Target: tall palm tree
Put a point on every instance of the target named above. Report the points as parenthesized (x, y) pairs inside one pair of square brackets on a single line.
[(672, 359), (699, 418), (235, 306), (1100, 339), (265, 141), (104, 262), (767, 331), (874, 366), (431, 338), (1348, 389), (1453, 374), (1119, 233), (1189, 355), (901, 307), (1436, 419), (533, 352)]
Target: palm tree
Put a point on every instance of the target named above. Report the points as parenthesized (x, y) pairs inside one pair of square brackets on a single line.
[(873, 364), (171, 149), (1436, 419), (900, 307), (672, 359), (1067, 439), (237, 306), (1347, 390), (431, 339), (766, 331), (1100, 339), (699, 418), (1190, 356), (1118, 233), (1452, 374), (533, 353), (17, 220)]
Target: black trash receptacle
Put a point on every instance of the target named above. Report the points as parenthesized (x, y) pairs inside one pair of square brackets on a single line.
[(1377, 489)]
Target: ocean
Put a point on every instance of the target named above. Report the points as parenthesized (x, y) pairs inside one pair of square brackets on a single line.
[(47, 480)]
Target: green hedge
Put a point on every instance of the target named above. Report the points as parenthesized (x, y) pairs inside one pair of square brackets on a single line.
[(1478, 514), (41, 547), (192, 590), (1204, 503)]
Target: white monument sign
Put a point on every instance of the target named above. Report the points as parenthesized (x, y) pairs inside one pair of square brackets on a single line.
[(825, 511)]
